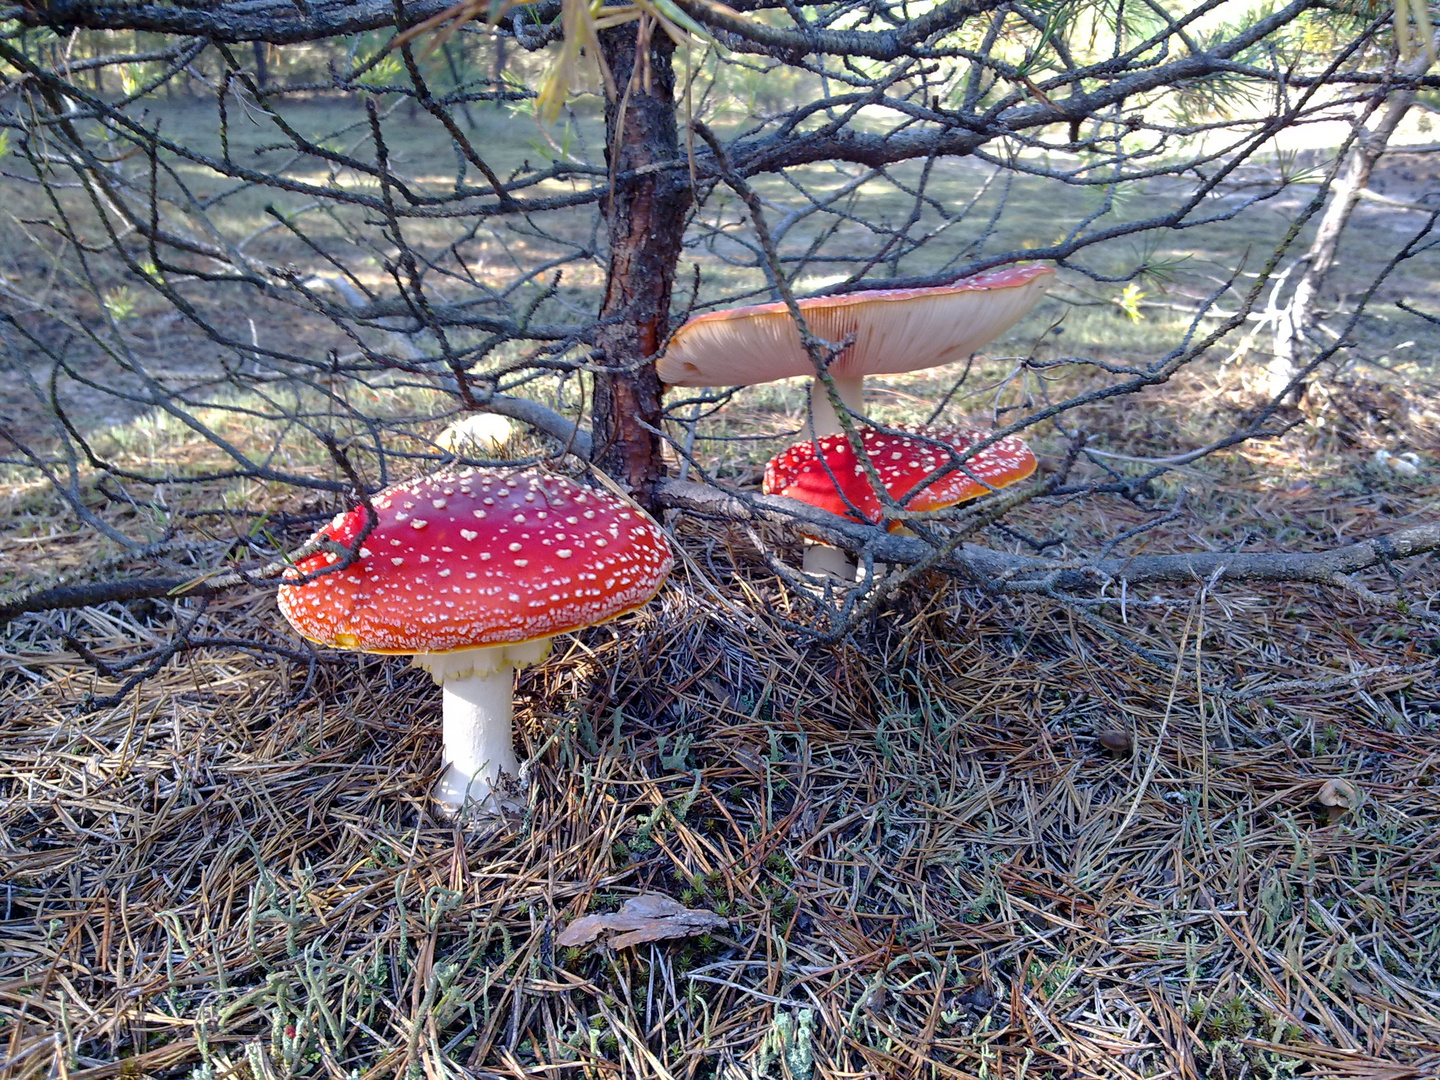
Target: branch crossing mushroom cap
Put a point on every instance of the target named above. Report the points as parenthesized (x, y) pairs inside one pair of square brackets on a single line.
[(811, 472), (478, 557), (893, 331)]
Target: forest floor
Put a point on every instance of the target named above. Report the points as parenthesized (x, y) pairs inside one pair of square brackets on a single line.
[(927, 862)]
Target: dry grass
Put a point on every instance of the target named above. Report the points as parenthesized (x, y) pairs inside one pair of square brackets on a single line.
[(930, 866)]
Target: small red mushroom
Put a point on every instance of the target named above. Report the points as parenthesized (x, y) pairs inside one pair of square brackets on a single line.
[(472, 572), (827, 474)]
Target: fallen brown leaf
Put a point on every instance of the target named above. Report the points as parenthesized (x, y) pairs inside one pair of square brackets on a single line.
[(650, 917), (1117, 742)]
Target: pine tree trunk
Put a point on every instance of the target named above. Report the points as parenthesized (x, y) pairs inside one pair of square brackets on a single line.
[(645, 218)]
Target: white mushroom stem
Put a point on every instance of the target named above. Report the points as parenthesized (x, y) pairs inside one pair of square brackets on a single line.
[(851, 389), (479, 693), (822, 558)]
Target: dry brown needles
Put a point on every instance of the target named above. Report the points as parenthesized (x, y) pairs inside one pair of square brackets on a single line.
[(928, 864)]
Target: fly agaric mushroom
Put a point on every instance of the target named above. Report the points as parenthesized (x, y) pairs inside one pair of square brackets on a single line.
[(890, 331), (471, 572), (827, 474)]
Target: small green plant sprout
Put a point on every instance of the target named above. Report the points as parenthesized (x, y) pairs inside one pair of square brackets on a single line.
[(1129, 301), (1228, 1019), (385, 70), (674, 760), (119, 303)]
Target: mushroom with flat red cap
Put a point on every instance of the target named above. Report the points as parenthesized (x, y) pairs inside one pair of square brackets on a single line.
[(472, 572), (889, 331), (826, 473)]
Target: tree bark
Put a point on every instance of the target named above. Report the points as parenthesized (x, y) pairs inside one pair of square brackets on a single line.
[(645, 220), (280, 22)]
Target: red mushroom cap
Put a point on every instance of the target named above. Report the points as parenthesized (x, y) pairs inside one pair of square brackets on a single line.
[(478, 557), (891, 331), (903, 463)]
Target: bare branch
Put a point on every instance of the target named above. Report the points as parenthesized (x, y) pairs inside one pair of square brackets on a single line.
[(101, 592), (1005, 572), (279, 22)]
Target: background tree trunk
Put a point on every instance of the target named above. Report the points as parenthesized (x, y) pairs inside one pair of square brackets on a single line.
[(499, 73), (457, 81), (262, 70), (645, 223), (1296, 318)]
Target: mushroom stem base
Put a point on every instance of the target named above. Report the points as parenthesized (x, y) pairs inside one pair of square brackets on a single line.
[(478, 692), (478, 748), (824, 559)]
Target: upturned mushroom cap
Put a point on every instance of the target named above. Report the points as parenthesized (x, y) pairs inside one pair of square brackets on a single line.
[(903, 462), (894, 330), (478, 557)]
